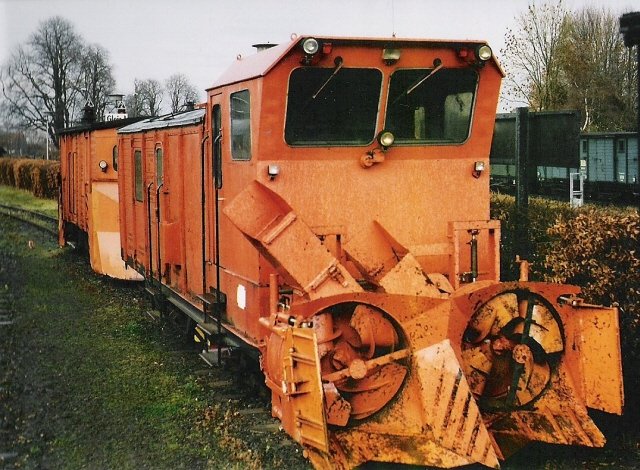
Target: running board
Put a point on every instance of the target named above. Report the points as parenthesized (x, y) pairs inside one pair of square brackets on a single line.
[(232, 339), (209, 327)]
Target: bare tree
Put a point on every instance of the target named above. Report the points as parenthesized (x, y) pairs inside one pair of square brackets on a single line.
[(42, 80), (96, 80), (180, 91), (133, 105), (556, 59), (599, 70), (38, 80), (531, 57), (149, 92)]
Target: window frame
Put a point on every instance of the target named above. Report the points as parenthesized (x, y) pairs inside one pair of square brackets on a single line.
[(216, 145), (319, 144), (159, 152), (114, 157), (440, 142)]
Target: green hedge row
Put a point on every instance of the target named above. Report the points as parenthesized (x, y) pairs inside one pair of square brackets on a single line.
[(596, 248), (41, 177)]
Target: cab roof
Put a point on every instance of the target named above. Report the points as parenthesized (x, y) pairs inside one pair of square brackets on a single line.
[(186, 118), (261, 63)]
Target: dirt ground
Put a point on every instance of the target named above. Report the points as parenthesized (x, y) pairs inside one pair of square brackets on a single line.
[(91, 378)]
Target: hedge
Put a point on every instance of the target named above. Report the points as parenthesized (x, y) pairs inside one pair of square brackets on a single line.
[(41, 177)]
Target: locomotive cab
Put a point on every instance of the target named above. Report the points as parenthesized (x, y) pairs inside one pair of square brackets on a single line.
[(359, 138)]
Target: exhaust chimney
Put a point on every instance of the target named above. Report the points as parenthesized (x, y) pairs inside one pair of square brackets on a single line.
[(263, 46)]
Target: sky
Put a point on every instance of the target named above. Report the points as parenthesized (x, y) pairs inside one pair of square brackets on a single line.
[(201, 38)]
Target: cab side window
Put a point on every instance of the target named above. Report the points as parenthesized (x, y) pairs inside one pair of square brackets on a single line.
[(241, 125)]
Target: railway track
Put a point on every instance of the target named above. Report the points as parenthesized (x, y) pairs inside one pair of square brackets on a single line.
[(41, 221)]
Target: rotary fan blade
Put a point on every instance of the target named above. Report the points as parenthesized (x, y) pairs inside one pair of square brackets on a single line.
[(362, 360), (492, 317), (545, 330), (506, 348), (374, 330), (371, 393), (476, 365)]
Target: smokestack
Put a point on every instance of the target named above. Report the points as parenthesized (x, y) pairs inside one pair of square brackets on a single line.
[(88, 113), (263, 46)]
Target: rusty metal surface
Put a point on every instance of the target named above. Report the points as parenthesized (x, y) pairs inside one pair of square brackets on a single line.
[(595, 347)]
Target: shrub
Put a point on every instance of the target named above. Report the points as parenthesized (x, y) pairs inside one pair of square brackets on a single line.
[(45, 180), (542, 214), (37, 176), (22, 169), (6, 172)]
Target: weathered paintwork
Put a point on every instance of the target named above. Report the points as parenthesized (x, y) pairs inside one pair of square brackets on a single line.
[(90, 198), (161, 231)]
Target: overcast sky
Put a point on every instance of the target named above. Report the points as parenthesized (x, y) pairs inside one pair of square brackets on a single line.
[(200, 38)]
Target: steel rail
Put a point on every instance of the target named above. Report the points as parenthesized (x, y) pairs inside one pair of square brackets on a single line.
[(36, 219)]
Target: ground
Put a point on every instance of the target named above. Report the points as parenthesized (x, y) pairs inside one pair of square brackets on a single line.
[(89, 380)]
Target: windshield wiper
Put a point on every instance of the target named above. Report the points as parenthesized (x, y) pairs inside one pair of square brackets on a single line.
[(339, 62), (429, 75), (410, 90)]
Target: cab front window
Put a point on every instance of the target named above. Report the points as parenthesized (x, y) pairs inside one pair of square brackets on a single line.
[(431, 106), (332, 106)]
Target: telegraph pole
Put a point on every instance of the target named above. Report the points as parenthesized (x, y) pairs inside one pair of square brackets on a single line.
[(630, 30)]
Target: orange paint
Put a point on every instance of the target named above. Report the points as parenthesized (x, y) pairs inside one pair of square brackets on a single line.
[(365, 271), (90, 198)]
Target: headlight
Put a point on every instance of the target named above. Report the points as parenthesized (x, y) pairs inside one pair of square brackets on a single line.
[(310, 46), (386, 139), (484, 53)]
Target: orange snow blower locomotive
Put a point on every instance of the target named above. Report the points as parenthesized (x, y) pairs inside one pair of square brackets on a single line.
[(329, 206)]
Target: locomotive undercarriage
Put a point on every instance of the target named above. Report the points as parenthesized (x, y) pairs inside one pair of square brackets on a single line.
[(411, 370)]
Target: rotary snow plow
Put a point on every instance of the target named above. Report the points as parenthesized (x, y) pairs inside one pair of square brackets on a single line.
[(405, 368), (418, 380)]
